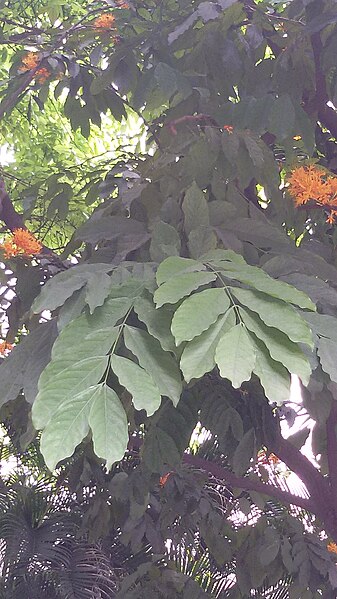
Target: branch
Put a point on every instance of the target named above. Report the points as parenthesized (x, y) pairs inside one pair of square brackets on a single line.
[(318, 486), (332, 448), (241, 482)]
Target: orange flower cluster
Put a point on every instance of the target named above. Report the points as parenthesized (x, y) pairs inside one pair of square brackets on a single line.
[(30, 62), (42, 75), (5, 348), (312, 183), (163, 479), (332, 547), (121, 4), (270, 459), (104, 21), (21, 243), (228, 128)]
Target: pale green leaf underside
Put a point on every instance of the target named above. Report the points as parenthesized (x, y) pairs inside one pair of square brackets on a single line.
[(280, 347), (198, 356), (67, 428), (197, 313), (275, 313), (274, 377), (146, 395), (235, 355), (174, 265), (327, 351), (109, 425), (259, 280), (181, 285), (157, 320), (158, 364)]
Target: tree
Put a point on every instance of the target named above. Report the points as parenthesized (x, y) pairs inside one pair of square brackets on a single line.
[(168, 262)]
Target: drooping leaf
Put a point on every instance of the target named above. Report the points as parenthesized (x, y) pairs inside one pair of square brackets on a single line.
[(97, 289), (198, 356), (109, 425), (67, 427), (197, 313), (327, 351), (145, 393), (58, 289), (195, 209), (158, 364), (259, 280), (279, 345), (276, 314), (235, 355), (158, 321), (274, 377)]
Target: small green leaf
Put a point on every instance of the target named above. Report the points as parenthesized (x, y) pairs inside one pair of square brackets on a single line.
[(145, 393), (235, 356), (109, 425), (157, 320), (198, 356), (158, 364), (276, 314), (269, 551), (195, 209), (274, 377), (97, 289), (197, 313), (178, 287), (327, 351), (174, 266), (244, 453)]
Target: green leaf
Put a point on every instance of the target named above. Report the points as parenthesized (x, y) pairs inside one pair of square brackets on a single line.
[(174, 266), (165, 241), (145, 393), (197, 313), (198, 356), (57, 290), (200, 241), (79, 358), (67, 428), (274, 377), (178, 287), (280, 347), (158, 364), (235, 355), (244, 452), (195, 209), (269, 551), (258, 279), (327, 351), (282, 117), (109, 425), (276, 314), (158, 321), (97, 290)]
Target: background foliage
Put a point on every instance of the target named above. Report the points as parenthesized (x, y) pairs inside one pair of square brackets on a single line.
[(169, 157)]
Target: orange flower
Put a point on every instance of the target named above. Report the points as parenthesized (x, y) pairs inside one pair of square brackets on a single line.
[(104, 21), (22, 242), (42, 75), (30, 61), (163, 479), (331, 218), (228, 128), (307, 183), (5, 348), (332, 547), (121, 4)]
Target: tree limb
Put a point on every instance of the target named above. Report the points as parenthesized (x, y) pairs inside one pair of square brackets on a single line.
[(332, 448)]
